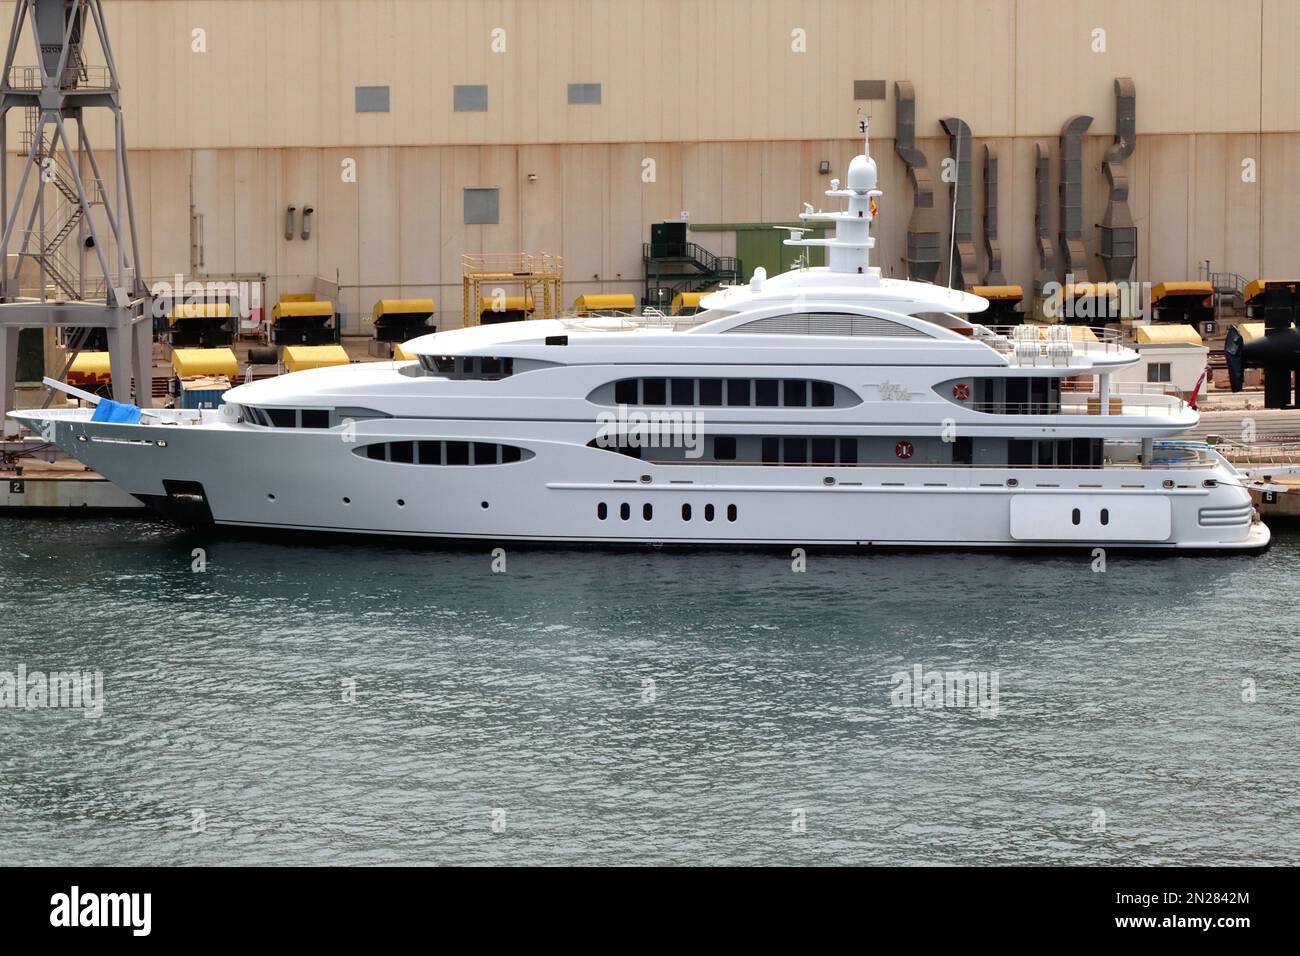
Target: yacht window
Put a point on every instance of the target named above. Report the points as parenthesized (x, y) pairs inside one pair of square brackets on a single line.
[(963, 451), (315, 418), (794, 393), (724, 448), (771, 451), (1046, 452), (654, 391), (795, 451), (625, 511), (686, 512), (443, 453), (731, 513), (602, 511), (490, 366), (1075, 517), (283, 417), (444, 363), (823, 451), (708, 512), (1105, 516), (823, 394), (1020, 452), (647, 512), (767, 392), (848, 451), (710, 391), (625, 392), (738, 391), (683, 390)]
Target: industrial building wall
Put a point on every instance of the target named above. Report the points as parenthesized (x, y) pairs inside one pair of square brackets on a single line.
[(735, 120)]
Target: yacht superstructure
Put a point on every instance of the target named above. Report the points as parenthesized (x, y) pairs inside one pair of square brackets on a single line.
[(822, 407)]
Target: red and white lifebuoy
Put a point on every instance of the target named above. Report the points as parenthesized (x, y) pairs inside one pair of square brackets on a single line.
[(961, 391), (904, 450)]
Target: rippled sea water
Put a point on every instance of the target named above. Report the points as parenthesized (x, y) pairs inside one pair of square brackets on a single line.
[(641, 707)]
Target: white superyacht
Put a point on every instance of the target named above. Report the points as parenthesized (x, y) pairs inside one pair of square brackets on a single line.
[(824, 407)]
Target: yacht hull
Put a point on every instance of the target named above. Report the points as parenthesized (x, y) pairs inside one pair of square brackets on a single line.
[(236, 477)]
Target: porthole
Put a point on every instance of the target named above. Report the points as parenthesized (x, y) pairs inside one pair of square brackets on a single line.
[(686, 512), (708, 512), (731, 512), (1105, 516), (347, 501), (1075, 516), (602, 511), (270, 497), (483, 505), (647, 511), (401, 502), (625, 511)]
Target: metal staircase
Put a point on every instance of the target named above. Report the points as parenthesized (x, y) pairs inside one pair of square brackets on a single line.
[(1229, 287), (684, 267)]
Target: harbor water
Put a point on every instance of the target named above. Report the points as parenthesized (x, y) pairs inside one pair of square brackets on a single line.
[(280, 703)]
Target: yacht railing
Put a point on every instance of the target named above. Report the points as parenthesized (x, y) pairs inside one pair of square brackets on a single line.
[(1049, 345)]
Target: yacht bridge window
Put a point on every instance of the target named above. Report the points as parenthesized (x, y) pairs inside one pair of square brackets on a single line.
[(472, 367), (303, 417), (829, 323)]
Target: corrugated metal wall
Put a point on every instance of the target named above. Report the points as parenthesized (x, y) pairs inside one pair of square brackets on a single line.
[(734, 118)]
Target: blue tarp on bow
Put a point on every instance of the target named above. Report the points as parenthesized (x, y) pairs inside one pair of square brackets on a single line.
[(116, 413)]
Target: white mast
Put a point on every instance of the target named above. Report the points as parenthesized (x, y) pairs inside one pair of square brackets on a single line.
[(850, 250)]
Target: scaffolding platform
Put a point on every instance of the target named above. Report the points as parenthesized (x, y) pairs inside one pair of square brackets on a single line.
[(537, 279)]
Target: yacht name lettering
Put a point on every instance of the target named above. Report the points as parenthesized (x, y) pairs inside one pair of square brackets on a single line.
[(894, 392)]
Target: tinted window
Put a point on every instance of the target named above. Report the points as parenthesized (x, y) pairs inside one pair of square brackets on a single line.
[(795, 450), (283, 417), (724, 448), (708, 512), (823, 451), (484, 453), (771, 451), (686, 512), (848, 451), (683, 391), (794, 393), (710, 391), (402, 451), (1020, 452), (654, 391), (510, 453), (823, 394), (602, 511), (624, 511), (731, 512), (737, 391), (766, 391), (625, 392), (376, 452), (430, 452), (457, 452), (315, 418)]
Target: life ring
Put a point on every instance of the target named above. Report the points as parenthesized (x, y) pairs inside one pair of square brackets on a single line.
[(961, 391), (904, 450)]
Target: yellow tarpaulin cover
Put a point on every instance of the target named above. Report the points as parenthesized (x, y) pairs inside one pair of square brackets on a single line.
[(621, 302), (1000, 293), (424, 307), (297, 358), (199, 310), (90, 368), (511, 303), (302, 309), (297, 297), (1172, 334), (187, 362), (401, 355), (1263, 285), (1181, 288), (1251, 331), (687, 300)]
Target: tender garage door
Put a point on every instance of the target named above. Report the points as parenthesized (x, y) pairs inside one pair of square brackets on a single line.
[(1073, 517)]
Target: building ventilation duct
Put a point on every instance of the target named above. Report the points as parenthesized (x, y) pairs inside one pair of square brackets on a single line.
[(1043, 217), (964, 264), (922, 237), (992, 247), (1074, 259), (1118, 233)]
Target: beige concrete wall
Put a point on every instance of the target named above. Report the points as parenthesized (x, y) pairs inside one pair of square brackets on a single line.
[(735, 120)]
